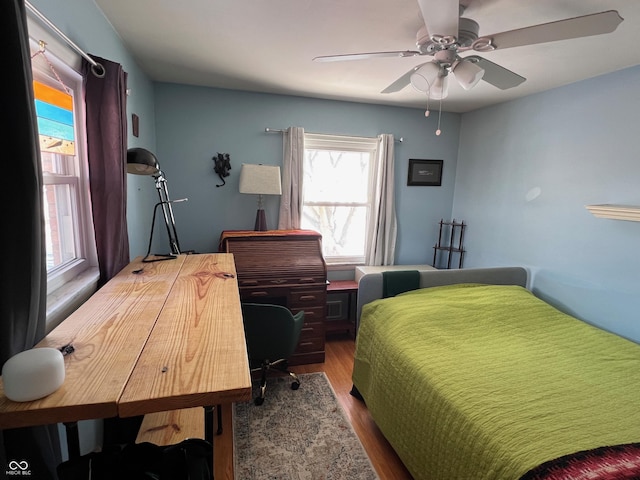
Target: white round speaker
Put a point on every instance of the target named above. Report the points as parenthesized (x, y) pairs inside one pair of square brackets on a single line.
[(33, 374)]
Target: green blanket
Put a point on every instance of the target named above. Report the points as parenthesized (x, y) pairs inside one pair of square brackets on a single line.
[(487, 382), (395, 282)]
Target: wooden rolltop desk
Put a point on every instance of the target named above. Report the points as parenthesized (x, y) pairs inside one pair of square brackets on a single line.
[(285, 267)]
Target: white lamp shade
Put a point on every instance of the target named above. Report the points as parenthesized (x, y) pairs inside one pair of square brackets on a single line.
[(423, 78), (260, 179), (440, 88), (468, 74)]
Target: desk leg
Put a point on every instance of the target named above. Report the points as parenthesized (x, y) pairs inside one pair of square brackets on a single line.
[(208, 423), (223, 448), (73, 440), (208, 419)]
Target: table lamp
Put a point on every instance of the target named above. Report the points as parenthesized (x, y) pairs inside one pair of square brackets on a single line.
[(260, 180)]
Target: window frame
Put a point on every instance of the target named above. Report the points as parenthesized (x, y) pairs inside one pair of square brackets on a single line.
[(69, 284), (342, 143)]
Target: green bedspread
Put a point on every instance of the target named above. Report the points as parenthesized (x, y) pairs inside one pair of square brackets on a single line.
[(486, 382)]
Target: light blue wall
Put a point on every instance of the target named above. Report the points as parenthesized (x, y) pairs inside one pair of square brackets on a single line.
[(526, 170), (194, 123), (86, 26)]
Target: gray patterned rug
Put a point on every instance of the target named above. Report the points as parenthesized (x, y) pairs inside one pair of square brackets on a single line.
[(297, 435)]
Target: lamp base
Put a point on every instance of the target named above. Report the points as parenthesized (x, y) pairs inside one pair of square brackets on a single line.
[(261, 221)]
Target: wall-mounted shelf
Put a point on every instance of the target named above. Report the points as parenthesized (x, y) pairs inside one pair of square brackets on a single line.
[(616, 212)]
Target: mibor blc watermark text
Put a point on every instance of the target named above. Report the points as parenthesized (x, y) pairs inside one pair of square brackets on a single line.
[(18, 468)]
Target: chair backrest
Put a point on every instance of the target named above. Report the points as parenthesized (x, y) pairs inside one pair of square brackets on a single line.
[(272, 331)]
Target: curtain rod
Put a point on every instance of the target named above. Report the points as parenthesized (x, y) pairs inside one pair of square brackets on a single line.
[(96, 68), (277, 130)]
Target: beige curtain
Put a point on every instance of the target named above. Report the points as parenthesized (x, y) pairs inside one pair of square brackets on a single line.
[(383, 226), (291, 199)]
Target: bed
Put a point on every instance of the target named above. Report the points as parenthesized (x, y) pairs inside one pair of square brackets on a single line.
[(472, 377)]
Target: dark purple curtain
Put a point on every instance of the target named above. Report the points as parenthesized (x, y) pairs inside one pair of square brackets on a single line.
[(105, 99), (23, 268)]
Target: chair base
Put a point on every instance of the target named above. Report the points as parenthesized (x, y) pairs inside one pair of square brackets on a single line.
[(279, 365)]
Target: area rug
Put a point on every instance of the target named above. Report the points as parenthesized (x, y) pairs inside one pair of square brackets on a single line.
[(297, 434)]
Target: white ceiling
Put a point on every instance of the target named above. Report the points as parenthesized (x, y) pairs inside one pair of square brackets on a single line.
[(268, 45)]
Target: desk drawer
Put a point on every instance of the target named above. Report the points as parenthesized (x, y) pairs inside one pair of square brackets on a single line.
[(301, 298), (310, 345), (311, 338), (311, 314), (311, 330), (266, 282)]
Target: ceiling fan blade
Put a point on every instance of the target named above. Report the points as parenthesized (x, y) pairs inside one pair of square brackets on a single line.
[(364, 56), (496, 75), (440, 17), (585, 26), (403, 81)]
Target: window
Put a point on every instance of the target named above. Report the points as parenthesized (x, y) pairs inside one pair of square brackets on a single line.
[(338, 193), (70, 244)]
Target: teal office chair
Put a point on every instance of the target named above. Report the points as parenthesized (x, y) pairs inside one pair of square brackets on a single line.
[(272, 334)]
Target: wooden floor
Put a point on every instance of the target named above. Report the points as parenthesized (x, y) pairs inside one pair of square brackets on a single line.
[(338, 366)]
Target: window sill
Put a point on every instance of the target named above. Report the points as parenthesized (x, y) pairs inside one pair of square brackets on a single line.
[(334, 267), (66, 299)]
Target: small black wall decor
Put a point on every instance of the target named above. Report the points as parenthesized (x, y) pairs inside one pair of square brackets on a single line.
[(425, 173), (222, 165)]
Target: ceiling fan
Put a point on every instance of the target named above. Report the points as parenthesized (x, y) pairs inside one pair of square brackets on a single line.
[(446, 34)]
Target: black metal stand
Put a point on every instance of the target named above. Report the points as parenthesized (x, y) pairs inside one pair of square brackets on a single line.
[(169, 221), (456, 230)]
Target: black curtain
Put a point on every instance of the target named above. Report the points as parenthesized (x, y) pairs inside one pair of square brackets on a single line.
[(105, 98), (23, 267)]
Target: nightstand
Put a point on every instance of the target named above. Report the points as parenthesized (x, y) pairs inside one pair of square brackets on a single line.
[(341, 306)]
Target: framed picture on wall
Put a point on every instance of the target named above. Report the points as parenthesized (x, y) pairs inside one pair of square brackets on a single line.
[(425, 173)]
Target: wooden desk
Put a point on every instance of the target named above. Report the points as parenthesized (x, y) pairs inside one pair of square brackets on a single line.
[(285, 267), (167, 337)]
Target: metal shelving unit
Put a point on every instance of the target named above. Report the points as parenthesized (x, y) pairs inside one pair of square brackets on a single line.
[(449, 244)]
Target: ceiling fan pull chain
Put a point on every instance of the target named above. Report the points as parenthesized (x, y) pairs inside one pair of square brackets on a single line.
[(427, 112), (438, 131)]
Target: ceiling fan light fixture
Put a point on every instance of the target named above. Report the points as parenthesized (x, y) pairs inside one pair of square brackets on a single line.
[(424, 77), (440, 88), (468, 74)]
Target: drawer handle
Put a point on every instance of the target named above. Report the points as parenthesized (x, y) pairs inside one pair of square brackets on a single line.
[(307, 298), (259, 294), (249, 282), (278, 281), (307, 280)]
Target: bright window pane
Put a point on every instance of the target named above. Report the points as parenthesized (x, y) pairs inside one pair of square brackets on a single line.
[(342, 228), (56, 164), (59, 225), (336, 176)]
